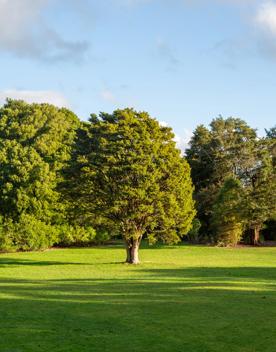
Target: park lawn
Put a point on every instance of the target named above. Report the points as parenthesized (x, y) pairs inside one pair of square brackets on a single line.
[(182, 298)]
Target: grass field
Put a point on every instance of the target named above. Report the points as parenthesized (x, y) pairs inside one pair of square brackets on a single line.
[(186, 298)]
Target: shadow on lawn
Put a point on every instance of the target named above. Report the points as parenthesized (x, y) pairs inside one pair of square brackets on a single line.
[(8, 262), (219, 273), (15, 262), (191, 309)]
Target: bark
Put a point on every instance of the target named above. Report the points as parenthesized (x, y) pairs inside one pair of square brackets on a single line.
[(128, 251), (132, 251), (256, 236)]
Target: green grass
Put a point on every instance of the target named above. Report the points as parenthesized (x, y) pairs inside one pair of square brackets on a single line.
[(186, 298)]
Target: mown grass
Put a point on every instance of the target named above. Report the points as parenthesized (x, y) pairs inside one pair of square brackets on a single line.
[(184, 298)]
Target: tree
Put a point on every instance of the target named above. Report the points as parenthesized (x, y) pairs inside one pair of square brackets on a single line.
[(227, 218), (200, 157), (127, 169), (232, 149), (271, 143), (260, 185), (224, 150), (270, 226), (35, 145), (201, 161)]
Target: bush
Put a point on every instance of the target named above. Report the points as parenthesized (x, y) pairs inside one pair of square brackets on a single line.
[(74, 235), (6, 236), (30, 233), (27, 234), (229, 234)]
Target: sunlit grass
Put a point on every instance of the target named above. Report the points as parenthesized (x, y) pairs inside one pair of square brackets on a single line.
[(186, 298)]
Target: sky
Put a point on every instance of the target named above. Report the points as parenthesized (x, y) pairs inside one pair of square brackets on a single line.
[(184, 61)]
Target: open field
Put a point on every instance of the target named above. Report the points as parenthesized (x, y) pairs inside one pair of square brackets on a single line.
[(184, 298)]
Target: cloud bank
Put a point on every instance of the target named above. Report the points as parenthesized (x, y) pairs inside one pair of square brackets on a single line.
[(266, 17), (43, 96), (25, 33), (265, 21)]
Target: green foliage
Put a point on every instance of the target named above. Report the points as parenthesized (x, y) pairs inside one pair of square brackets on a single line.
[(6, 235), (28, 233), (122, 173), (193, 234), (215, 154), (127, 174), (35, 145), (47, 129), (227, 219), (260, 187), (231, 149), (102, 236), (75, 235), (271, 133), (127, 169), (200, 157), (27, 183), (221, 152)]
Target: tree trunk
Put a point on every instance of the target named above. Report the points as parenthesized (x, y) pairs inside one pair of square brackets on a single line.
[(132, 248), (256, 236), (128, 251)]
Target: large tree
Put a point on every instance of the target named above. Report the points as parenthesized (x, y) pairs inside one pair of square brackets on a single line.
[(222, 151), (35, 145), (128, 170), (230, 148)]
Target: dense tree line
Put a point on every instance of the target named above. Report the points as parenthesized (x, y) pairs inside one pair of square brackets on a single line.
[(63, 181), (68, 182), (234, 176)]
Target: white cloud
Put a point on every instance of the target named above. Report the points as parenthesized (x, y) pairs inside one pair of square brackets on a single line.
[(266, 17), (265, 22), (43, 96), (182, 141), (25, 33), (163, 124)]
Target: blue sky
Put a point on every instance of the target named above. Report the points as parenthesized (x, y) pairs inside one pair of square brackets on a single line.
[(183, 61)]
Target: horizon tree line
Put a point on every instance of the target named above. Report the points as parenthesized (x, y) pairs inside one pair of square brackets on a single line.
[(64, 181)]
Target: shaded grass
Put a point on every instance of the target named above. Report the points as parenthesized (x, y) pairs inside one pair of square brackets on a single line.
[(183, 298)]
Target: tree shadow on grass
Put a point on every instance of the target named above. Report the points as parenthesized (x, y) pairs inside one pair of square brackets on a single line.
[(191, 309), (14, 262), (262, 273)]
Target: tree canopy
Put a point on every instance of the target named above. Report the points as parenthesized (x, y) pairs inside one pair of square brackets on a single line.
[(128, 170), (231, 149), (65, 181), (35, 144)]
